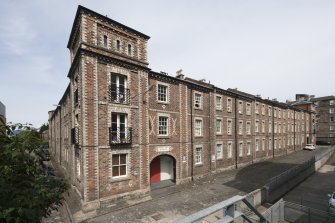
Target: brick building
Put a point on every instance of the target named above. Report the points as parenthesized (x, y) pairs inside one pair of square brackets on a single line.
[(121, 128), (325, 115)]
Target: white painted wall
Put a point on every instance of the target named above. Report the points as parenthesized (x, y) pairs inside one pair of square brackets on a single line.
[(166, 168)]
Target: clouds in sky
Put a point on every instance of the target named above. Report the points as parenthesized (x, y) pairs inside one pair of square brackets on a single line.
[(272, 48)]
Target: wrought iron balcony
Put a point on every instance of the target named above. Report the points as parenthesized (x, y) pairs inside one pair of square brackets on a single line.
[(75, 136), (120, 136), (119, 95)]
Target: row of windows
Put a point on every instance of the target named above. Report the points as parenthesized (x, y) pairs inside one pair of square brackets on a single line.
[(117, 45), (198, 155), (277, 128), (260, 144), (163, 97)]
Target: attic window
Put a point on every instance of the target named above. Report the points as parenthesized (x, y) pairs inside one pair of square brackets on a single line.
[(118, 45), (129, 49), (105, 41)]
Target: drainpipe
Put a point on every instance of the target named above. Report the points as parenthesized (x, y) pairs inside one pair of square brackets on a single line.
[(235, 128), (273, 132), (192, 149), (60, 135), (210, 133), (294, 128)]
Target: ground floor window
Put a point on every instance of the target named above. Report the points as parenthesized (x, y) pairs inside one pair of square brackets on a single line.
[(119, 165), (230, 149), (78, 163), (240, 149), (198, 155), (219, 151)]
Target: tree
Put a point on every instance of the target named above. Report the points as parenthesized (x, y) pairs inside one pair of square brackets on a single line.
[(27, 191), (44, 127)]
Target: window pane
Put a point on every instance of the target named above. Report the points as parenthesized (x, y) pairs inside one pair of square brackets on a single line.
[(123, 159), (115, 160), (116, 171), (123, 170)]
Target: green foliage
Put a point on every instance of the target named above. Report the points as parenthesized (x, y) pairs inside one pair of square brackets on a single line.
[(43, 128), (27, 192)]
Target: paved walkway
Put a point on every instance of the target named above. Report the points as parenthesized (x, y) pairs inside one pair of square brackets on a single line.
[(314, 191), (170, 204)]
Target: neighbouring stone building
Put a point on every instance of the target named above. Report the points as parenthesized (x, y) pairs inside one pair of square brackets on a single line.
[(2, 114), (324, 117), (121, 128)]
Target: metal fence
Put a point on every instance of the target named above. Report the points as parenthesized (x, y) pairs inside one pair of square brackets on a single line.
[(282, 178), (302, 214)]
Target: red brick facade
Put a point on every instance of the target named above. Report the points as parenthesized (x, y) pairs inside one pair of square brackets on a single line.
[(117, 116)]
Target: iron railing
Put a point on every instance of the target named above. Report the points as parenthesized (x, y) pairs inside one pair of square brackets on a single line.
[(119, 95), (299, 213), (75, 136), (120, 136)]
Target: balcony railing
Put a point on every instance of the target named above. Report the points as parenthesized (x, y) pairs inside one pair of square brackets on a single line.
[(75, 136), (119, 95), (119, 136)]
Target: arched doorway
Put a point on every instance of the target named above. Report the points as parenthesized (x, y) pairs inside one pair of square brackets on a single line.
[(162, 171)]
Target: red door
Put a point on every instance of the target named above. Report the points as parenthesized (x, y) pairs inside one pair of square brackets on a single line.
[(155, 170)]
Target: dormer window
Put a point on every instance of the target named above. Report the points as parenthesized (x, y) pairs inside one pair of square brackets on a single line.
[(105, 41), (118, 45), (129, 50)]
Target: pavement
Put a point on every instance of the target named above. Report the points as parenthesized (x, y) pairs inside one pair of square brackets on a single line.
[(172, 203), (314, 191)]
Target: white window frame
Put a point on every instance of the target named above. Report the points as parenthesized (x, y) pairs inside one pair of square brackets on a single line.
[(229, 126), (196, 132), (257, 145), (248, 127), (229, 104), (218, 102), (198, 155), (240, 107), (263, 126), (196, 101), (127, 159), (240, 149), (219, 151), (229, 149), (257, 125), (167, 125), (248, 148), (167, 99), (263, 109), (218, 127), (263, 144), (240, 127), (78, 162), (257, 108), (248, 109), (331, 102)]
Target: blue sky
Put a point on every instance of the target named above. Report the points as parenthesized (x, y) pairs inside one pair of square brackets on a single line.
[(272, 48)]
